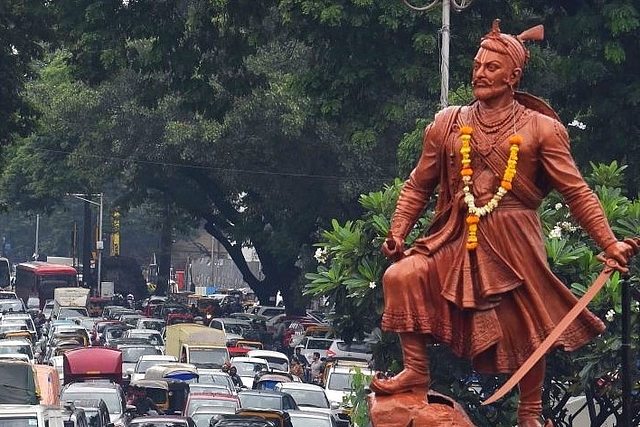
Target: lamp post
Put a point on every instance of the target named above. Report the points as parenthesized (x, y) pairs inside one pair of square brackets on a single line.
[(99, 242), (447, 5)]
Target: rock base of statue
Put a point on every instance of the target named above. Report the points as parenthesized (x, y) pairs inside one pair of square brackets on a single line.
[(414, 409)]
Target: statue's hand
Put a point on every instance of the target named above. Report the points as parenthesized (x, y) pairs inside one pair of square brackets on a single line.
[(393, 248), (622, 252)]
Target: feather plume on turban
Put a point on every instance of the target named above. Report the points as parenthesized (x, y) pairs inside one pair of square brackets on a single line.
[(512, 46)]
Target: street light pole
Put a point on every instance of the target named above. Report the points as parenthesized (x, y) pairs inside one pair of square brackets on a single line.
[(445, 31), (99, 242)]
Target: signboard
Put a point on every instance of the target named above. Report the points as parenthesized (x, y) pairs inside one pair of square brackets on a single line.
[(107, 289)]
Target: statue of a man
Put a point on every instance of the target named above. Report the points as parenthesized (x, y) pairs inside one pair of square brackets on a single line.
[(479, 280)]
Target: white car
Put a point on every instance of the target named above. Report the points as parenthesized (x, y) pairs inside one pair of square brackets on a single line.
[(339, 378), (17, 346), (248, 367), (148, 360), (311, 398), (277, 360)]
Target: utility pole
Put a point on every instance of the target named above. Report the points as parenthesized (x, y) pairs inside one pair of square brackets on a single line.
[(99, 241), (445, 31)]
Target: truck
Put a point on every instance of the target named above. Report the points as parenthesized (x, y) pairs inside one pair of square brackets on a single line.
[(70, 302), (204, 347)]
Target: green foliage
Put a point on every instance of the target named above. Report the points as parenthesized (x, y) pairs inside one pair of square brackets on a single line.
[(356, 399)]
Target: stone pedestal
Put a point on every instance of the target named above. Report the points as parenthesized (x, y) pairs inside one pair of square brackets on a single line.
[(416, 409)]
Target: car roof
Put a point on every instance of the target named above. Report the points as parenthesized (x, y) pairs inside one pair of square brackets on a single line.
[(294, 385), (93, 385)]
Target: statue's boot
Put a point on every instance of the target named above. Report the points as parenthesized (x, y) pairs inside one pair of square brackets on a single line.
[(415, 375), (530, 407)]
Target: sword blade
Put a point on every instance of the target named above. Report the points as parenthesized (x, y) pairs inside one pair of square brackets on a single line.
[(548, 342)]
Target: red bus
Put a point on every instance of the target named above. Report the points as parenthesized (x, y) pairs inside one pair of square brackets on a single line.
[(40, 278)]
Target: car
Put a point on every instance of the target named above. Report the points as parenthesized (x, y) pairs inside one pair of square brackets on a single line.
[(216, 377), (132, 352), (195, 400), (235, 329), (145, 361), (12, 305), (313, 419), (267, 399), (312, 398), (309, 345), (150, 323), (248, 367), (112, 394), (162, 421), (17, 346), (20, 317), (276, 359), (151, 335), (203, 414), (338, 378), (340, 349), (95, 410)]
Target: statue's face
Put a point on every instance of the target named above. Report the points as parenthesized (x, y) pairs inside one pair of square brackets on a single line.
[(494, 75)]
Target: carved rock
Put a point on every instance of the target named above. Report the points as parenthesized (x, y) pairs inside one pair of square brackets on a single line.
[(416, 409)]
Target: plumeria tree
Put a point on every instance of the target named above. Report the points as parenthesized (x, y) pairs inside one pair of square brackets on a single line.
[(350, 267)]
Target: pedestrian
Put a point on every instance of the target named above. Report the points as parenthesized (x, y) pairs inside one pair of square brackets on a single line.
[(295, 368), (478, 280), (233, 373), (316, 368)]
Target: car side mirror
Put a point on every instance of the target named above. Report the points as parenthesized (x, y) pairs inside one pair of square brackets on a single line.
[(335, 405)]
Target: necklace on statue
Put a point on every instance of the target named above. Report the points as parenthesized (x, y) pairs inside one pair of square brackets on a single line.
[(474, 213)]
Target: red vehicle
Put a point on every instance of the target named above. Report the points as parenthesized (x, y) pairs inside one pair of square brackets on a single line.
[(92, 363), (39, 279)]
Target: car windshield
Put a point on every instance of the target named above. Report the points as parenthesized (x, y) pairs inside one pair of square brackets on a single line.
[(339, 381), (19, 348), (249, 368), (145, 364), (260, 401), (210, 358), (310, 398), (110, 397), (132, 354), (24, 421), (67, 312), (12, 305), (319, 344), (152, 338), (310, 422)]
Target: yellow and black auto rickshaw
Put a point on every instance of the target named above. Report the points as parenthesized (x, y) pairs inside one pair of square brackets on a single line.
[(170, 395)]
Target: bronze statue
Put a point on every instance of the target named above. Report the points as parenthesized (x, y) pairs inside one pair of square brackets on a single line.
[(479, 280)]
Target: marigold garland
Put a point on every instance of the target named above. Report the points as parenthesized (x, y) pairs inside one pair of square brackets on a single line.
[(475, 213)]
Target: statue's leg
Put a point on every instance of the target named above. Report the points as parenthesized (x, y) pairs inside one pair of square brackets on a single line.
[(415, 374), (530, 407)]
